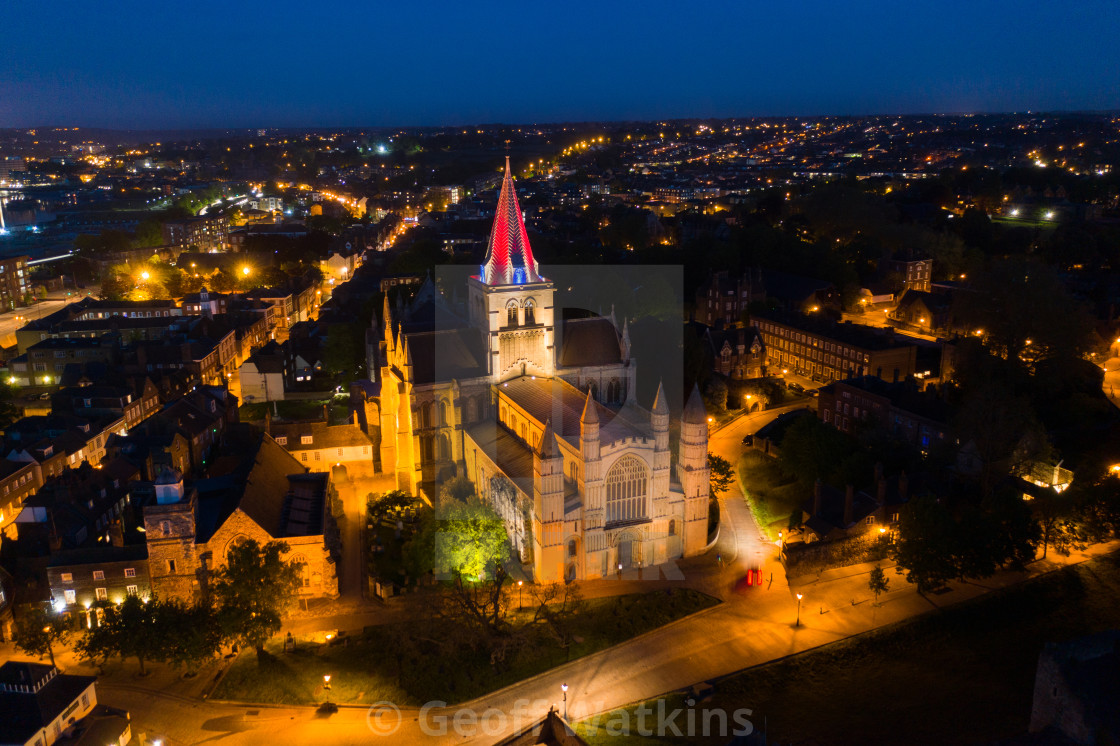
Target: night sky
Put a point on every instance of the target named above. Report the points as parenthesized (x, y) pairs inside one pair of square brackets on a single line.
[(235, 64)]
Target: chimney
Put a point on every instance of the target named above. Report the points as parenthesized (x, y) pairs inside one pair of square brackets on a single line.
[(881, 490), (849, 500), (903, 486), (817, 497)]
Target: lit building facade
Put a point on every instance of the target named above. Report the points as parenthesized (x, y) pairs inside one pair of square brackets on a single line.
[(541, 416)]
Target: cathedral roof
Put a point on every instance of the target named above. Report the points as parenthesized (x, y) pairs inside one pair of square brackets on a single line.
[(509, 259), (544, 399), (592, 341)]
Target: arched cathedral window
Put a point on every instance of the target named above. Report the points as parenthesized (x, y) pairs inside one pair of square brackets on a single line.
[(529, 318), (627, 484)]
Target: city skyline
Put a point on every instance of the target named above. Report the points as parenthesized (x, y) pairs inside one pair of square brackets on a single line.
[(205, 67)]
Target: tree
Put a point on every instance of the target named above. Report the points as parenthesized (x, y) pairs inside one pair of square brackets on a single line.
[(878, 582), (470, 540), (559, 606), (812, 450), (344, 351), (191, 633), (130, 629), (39, 631), (252, 591), (721, 474), (925, 549)]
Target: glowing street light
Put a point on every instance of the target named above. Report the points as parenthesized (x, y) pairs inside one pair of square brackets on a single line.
[(519, 584), (327, 681), (798, 623), (564, 688), (144, 276), (245, 271)]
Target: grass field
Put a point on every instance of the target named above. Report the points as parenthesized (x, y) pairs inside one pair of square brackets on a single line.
[(964, 675), (364, 671), (771, 495)]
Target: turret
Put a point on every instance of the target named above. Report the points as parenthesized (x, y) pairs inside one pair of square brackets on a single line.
[(659, 419), (589, 430), (548, 475), (694, 473)]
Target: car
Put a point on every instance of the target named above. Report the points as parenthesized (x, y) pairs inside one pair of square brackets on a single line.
[(814, 392), (748, 439), (794, 386)]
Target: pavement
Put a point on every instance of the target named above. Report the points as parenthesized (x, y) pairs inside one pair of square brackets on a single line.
[(755, 624)]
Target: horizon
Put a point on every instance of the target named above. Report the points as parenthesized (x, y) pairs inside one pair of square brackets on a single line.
[(209, 66), (568, 123)]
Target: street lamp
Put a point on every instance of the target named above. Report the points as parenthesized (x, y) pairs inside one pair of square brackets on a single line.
[(327, 681), (564, 688), (798, 623), (519, 584), (245, 271)]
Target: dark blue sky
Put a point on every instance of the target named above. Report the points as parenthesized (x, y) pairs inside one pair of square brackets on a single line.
[(199, 63)]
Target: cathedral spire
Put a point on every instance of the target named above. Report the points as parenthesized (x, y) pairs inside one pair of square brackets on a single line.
[(509, 259)]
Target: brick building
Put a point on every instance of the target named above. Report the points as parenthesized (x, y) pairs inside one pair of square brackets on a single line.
[(824, 350), (917, 417), (15, 283), (270, 496)]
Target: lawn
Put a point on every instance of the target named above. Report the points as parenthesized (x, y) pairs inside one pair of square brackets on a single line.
[(300, 409), (964, 675), (771, 495), (365, 671)]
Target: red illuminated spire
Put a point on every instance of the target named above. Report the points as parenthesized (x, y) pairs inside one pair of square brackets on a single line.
[(509, 260)]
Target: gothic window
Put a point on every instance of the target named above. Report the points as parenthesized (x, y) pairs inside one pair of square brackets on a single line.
[(572, 548), (529, 318), (627, 483), (673, 527), (442, 413), (425, 415), (444, 448), (511, 313)]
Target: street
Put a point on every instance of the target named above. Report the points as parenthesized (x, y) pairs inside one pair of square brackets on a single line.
[(10, 321)]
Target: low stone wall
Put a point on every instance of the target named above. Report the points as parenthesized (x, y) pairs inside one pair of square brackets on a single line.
[(810, 559)]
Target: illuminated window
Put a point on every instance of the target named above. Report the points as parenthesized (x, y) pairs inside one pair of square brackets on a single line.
[(67, 577), (130, 572), (102, 594), (98, 574), (627, 482), (71, 596)]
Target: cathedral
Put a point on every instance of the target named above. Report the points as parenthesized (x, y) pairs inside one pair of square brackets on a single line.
[(540, 413)]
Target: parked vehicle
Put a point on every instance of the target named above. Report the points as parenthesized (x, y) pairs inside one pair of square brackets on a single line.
[(794, 386), (748, 439)]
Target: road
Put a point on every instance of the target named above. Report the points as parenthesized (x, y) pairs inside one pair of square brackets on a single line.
[(10, 321)]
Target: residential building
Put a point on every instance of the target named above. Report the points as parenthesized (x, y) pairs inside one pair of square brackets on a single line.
[(206, 233), (724, 300), (79, 578), (38, 704), (319, 445), (913, 273), (265, 374), (15, 281), (916, 417), (824, 350)]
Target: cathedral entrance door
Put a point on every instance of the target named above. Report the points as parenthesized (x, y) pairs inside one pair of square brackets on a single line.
[(625, 552)]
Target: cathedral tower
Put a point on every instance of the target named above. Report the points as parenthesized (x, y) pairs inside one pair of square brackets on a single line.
[(509, 300)]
